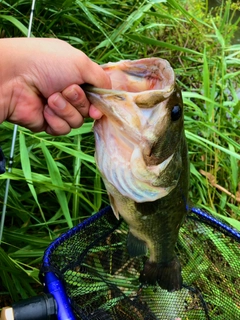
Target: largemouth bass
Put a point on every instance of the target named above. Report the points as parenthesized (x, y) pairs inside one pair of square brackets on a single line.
[(141, 152)]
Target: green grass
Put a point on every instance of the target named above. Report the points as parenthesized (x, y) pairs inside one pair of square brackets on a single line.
[(54, 182)]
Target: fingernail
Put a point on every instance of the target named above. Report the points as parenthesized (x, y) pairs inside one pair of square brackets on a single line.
[(71, 94), (59, 102), (49, 111)]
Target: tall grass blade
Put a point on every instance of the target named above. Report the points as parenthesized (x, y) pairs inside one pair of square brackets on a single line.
[(26, 167), (57, 184), (16, 23), (150, 41)]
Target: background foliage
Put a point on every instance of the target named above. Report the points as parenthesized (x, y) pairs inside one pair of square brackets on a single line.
[(54, 182)]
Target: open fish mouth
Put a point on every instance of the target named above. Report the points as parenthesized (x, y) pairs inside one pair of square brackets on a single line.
[(136, 113)]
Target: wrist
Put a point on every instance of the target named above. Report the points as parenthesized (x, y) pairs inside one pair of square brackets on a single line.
[(5, 99), (6, 78)]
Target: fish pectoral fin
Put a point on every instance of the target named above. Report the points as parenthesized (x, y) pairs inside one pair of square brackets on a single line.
[(167, 275), (114, 206), (135, 246)]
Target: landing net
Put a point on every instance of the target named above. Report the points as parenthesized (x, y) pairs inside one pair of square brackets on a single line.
[(101, 279)]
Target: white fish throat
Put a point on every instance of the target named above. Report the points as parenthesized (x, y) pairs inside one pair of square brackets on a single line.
[(133, 179)]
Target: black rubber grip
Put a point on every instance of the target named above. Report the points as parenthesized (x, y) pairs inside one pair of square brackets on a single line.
[(42, 307)]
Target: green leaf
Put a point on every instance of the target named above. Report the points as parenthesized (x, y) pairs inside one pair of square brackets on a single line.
[(58, 184), (234, 168), (150, 41), (16, 23), (26, 167), (196, 138)]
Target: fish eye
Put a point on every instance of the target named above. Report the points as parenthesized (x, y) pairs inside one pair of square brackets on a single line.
[(176, 112)]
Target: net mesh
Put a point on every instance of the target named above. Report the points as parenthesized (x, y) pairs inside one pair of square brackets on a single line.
[(102, 280)]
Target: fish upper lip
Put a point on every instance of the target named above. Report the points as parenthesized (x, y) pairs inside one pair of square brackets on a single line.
[(144, 77), (139, 98)]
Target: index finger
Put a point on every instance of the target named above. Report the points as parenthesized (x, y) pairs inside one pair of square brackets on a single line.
[(93, 74)]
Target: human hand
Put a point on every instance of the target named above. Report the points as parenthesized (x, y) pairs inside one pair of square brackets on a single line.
[(39, 84)]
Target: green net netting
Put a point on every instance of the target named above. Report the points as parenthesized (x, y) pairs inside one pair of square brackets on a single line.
[(102, 280)]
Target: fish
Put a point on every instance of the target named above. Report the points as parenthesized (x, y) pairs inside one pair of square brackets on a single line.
[(142, 155)]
